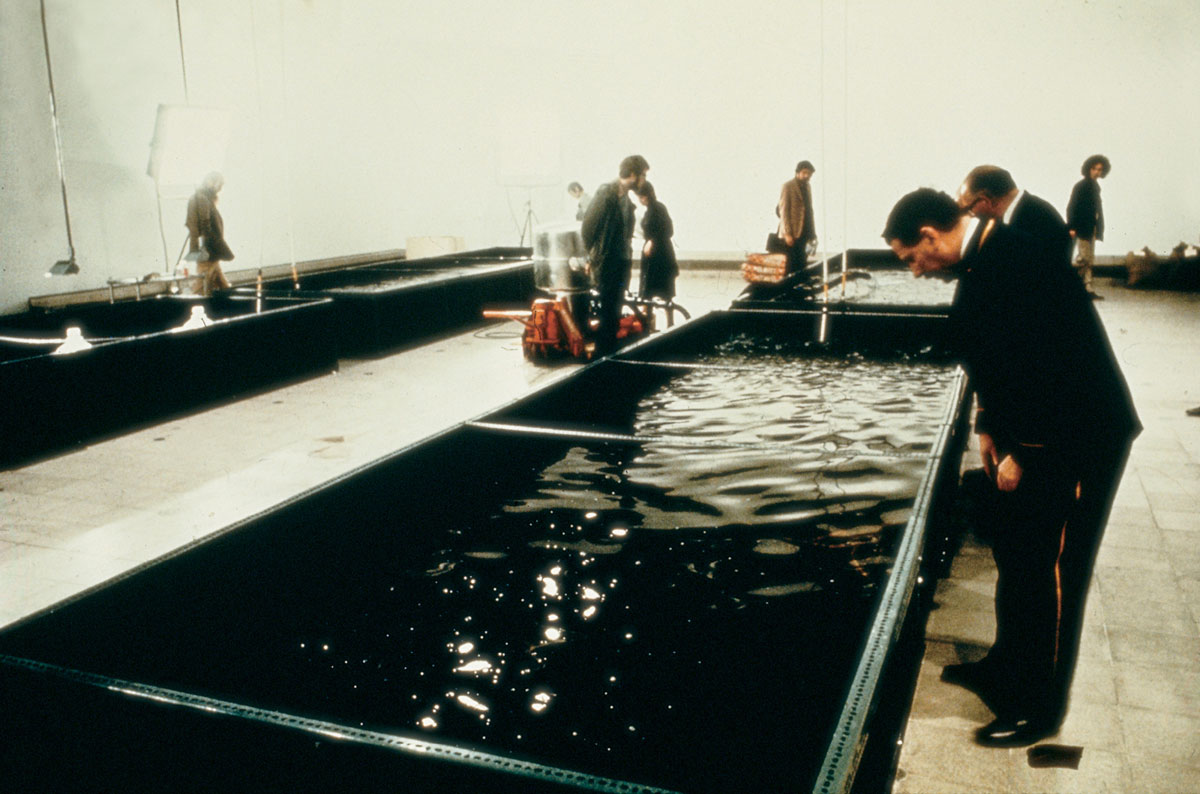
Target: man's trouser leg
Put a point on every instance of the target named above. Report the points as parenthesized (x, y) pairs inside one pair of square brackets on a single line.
[(1045, 553), (1027, 547), (1097, 487), (1084, 260), (612, 299)]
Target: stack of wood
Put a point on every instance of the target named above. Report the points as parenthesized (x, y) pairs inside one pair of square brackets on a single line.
[(764, 268)]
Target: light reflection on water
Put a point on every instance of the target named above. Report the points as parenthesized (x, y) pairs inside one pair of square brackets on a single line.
[(628, 592), (892, 287)]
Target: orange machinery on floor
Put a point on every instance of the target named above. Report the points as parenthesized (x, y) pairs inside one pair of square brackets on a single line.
[(552, 329), (560, 325)]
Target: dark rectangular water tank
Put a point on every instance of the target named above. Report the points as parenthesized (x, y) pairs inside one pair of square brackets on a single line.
[(381, 306), (427, 616), (142, 367)]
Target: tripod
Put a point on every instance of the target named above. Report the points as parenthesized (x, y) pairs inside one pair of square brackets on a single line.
[(527, 224)]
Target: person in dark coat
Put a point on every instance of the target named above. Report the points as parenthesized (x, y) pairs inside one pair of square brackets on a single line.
[(989, 192), (206, 234), (659, 268), (607, 230), (1085, 216), (1055, 424)]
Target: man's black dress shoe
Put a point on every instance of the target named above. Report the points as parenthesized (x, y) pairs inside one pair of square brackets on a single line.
[(1014, 732)]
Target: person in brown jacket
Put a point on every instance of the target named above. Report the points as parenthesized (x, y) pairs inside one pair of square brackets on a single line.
[(797, 228), (206, 234)]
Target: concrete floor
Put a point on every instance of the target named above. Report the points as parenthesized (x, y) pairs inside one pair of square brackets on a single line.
[(1135, 703), (71, 522)]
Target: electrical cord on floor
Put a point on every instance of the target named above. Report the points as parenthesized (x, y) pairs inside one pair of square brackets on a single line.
[(497, 333)]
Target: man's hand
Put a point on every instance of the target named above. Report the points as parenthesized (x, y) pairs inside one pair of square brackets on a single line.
[(987, 450), (1008, 474)]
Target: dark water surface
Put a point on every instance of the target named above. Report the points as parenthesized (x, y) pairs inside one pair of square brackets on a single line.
[(685, 610)]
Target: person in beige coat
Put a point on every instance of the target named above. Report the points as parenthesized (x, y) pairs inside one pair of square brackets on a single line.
[(206, 235), (796, 226)]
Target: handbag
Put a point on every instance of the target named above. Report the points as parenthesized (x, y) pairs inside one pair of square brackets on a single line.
[(198, 255), (775, 245)]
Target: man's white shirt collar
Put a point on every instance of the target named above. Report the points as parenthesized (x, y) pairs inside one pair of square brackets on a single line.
[(1012, 207), (969, 234)]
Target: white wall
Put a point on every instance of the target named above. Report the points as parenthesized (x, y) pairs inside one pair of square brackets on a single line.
[(358, 123)]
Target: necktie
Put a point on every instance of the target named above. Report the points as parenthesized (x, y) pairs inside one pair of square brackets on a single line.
[(987, 229)]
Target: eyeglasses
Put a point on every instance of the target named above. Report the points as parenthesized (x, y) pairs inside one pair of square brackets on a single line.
[(967, 202)]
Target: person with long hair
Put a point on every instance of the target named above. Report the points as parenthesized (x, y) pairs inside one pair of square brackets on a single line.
[(1085, 216), (659, 268)]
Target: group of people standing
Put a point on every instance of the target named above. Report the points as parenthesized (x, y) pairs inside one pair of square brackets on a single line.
[(990, 192), (607, 231), (1054, 421), (796, 235)]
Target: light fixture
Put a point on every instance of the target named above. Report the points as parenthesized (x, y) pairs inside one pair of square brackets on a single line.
[(63, 267)]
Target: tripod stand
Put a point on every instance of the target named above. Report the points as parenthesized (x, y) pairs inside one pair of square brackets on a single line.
[(527, 224)]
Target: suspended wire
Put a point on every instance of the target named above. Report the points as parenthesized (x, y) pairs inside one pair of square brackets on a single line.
[(182, 61), (845, 151), (162, 231), (58, 147), (824, 162), (258, 89), (287, 165), (845, 143)]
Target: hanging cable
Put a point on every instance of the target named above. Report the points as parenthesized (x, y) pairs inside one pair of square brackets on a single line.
[(182, 61), (258, 93), (824, 162), (72, 267), (845, 144), (169, 264), (287, 167)]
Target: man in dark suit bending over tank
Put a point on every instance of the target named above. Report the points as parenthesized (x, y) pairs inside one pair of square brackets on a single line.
[(1055, 425), (990, 193)]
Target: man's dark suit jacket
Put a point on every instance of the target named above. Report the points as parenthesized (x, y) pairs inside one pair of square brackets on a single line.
[(606, 230), (1037, 217), (1036, 351), (1085, 213)]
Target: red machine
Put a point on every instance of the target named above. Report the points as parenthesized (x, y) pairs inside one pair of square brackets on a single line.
[(551, 330), (556, 327)]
